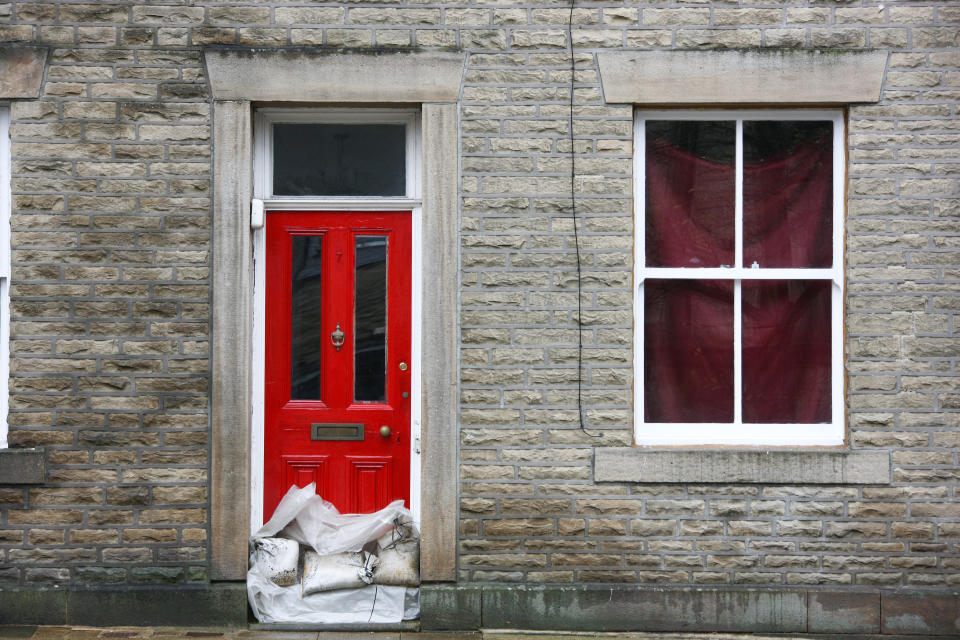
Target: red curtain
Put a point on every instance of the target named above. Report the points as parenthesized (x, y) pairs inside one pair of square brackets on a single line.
[(688, 345)]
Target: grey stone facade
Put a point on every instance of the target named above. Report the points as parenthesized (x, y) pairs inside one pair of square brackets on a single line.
[(111, 317)]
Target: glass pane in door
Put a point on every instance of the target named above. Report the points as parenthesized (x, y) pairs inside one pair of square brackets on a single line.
[(306, 338), (370, 300)]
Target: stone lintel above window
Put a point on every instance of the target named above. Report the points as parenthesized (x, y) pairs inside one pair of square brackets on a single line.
[(627, 464), (775, 76)]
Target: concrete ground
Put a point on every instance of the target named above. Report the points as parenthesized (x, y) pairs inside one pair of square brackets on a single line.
[(169, 633)]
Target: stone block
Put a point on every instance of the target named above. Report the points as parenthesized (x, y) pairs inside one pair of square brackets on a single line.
[(627, 608), (33, 606), (22, 466), (444, 607), (926, 614), (843, 612), (21, 71)]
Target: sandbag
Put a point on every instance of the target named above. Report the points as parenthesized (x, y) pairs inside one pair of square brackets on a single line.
[(336, 571), (399, 565), (399, 553), (278, 559)]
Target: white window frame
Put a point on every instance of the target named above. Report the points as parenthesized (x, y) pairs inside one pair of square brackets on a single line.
[(263, 150), (5, 206), (264, 119), (739, 433)]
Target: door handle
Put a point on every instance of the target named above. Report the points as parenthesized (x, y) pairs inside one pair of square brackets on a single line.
[(337, 337), (385, 431)]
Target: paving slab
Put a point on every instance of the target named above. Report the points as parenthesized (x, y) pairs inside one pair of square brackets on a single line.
[(260, 634), (51, 633)]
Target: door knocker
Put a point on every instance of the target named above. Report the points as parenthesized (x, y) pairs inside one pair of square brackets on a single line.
[(337, 337)]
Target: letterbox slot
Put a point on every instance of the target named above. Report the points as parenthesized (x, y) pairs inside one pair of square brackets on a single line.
[(336, 431)]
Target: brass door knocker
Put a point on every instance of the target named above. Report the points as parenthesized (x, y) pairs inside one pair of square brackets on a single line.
[(337, 337)]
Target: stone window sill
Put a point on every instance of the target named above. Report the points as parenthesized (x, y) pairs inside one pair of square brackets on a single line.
[(629, 464), (22, 466)]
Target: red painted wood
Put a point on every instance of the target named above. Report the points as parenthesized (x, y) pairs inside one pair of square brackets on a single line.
[(356, 476)]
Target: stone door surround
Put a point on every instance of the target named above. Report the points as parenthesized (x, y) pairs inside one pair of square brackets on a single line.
[(239, 78), (21, 76)]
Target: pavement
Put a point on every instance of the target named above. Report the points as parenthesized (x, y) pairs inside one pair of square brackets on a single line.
[(169, 633)]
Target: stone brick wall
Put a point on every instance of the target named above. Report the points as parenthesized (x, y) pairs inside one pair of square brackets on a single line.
[(111, 245)]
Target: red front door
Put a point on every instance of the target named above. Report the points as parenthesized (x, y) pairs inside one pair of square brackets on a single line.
[(337, 407)]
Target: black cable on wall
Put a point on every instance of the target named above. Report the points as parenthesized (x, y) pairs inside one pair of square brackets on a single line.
[(576, 232)]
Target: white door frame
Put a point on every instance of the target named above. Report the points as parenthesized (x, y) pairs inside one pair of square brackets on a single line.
[(263, 191)]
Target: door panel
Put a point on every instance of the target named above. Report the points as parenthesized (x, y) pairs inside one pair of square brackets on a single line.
[(369, 480), (301, 471), (337, 407)]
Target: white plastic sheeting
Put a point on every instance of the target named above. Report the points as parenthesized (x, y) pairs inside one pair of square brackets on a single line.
[(334, 538)]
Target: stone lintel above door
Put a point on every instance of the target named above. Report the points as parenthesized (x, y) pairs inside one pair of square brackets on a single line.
[(311, 75)]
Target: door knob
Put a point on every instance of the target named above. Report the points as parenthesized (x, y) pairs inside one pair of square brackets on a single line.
[(403, 366), (385, 431)]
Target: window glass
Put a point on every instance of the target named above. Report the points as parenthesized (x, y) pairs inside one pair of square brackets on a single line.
[(688, 350), (786, 351), (788, 194), (690, 193), (339, 159), (370, 299), (306, 339)]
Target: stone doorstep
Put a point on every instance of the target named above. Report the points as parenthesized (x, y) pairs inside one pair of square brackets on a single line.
[(406, 625)]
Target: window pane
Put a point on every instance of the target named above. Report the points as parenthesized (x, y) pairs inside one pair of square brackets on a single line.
[(306, 333), (690, 193), (786, 351), (339, 159), (788, 194), (688, 350), (370, 346)]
